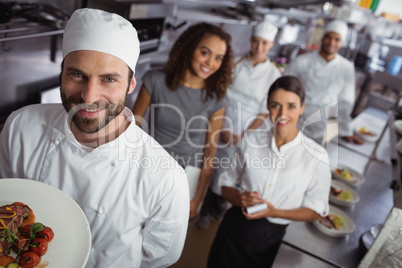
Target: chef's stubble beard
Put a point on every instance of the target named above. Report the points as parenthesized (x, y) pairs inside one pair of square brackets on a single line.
[(91, 125)]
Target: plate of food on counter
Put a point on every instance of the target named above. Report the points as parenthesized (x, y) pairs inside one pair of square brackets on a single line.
[(347, 175), (336, 224), (398, 126), (366, 134), (41, 226), (342, 195)]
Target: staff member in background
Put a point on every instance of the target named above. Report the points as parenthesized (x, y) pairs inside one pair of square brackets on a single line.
[(273, 168), (328, 78), (92, 150), (246, 109), (186, 100)]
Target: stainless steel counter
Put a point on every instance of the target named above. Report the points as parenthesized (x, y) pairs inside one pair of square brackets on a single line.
[(290, 257), (375, 120), (376, 201)]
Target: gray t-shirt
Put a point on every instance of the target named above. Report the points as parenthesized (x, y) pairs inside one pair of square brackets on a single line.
[(179, 119)]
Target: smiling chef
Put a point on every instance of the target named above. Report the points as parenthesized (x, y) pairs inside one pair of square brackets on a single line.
[(328, 79), (91, 148)]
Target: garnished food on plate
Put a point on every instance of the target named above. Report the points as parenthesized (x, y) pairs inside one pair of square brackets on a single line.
[(365, 131), (341, 194), (345, 174), (332, 221), (22, 240)]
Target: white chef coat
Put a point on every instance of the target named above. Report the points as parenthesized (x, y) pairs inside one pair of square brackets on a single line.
[(246, 98), (327, 84), (298, 175), (134, 195)]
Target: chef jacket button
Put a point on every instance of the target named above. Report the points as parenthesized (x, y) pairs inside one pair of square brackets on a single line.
[(100, 211), (115, 163), (56, 142)]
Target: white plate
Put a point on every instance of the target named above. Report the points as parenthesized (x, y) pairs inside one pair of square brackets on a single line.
[(72, 237), (347, 228), (366, 137), (399, 146), (398, 126), (340, 185), (357, 179)]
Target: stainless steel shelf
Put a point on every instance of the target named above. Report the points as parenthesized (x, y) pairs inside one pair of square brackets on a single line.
[(33, 35), (208, 16), (21, 29)]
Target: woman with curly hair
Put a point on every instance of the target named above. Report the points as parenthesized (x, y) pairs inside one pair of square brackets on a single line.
[(186, 101)]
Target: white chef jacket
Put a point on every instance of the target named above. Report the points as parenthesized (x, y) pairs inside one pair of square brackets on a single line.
[(327, 84), (134, 195), (298, 175), (246, 98)]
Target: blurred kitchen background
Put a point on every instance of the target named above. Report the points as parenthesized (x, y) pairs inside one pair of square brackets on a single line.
[(31, 35)]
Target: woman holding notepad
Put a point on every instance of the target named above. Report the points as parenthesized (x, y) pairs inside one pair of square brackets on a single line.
[(276, 177)]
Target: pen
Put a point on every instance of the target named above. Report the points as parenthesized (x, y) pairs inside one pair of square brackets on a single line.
[(240, 189), (256, 207)]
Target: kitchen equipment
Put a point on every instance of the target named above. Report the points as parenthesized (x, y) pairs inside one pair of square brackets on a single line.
[(395, 65), (372, 55), (288, 34), (147, 18), (36, 12), (367, 238), (386, 251)]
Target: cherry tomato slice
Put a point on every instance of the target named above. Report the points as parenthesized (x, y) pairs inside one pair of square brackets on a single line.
[(46, 234), (26, 230), (21, 244), (39, 246), (29, 259)]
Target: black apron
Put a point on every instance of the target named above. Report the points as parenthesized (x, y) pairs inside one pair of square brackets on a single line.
[(245, 243)]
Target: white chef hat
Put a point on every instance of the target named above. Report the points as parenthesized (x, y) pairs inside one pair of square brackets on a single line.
[(339, 27), (265, 30), (97, 30)]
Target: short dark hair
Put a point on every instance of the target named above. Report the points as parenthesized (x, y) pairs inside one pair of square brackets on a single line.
[(288, 83)]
